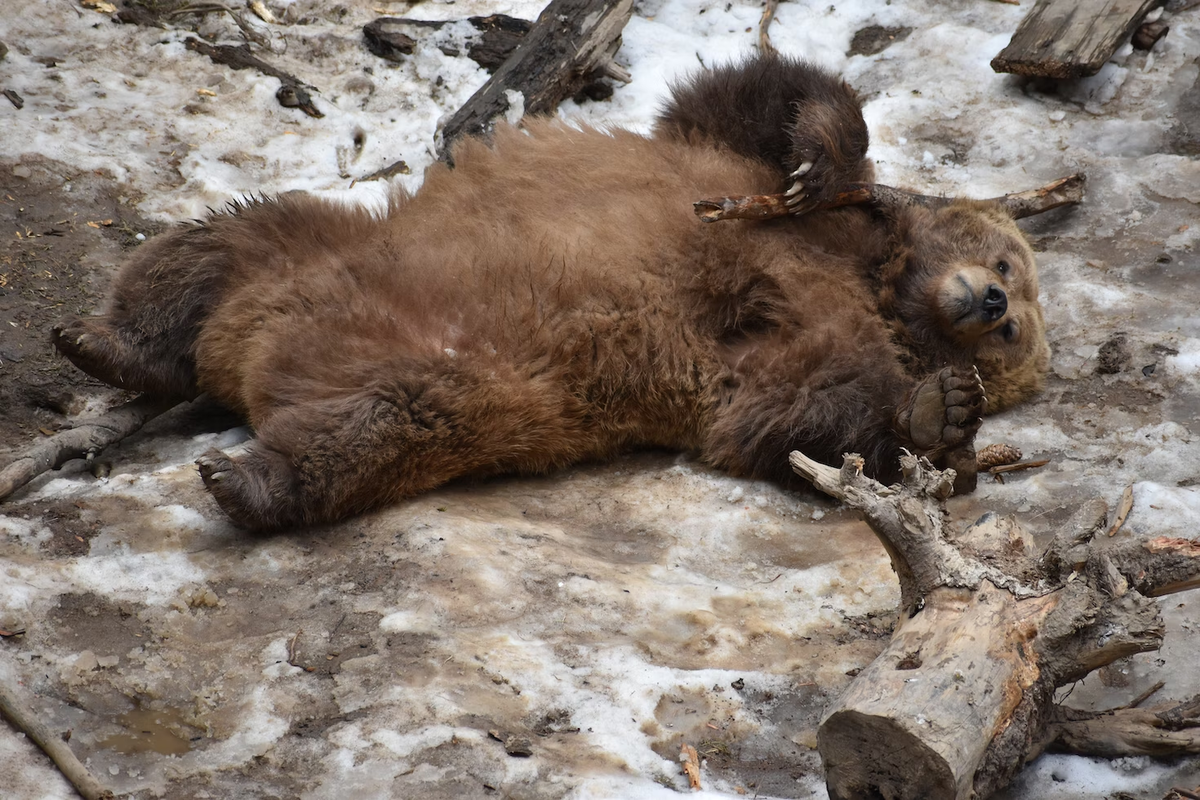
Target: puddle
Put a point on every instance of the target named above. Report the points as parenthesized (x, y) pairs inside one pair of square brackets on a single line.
[(150, 731)]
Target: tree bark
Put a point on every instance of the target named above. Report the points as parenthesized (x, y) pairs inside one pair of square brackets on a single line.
[(963, 694)]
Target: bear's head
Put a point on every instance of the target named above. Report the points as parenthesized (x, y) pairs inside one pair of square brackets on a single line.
[(966, 289)]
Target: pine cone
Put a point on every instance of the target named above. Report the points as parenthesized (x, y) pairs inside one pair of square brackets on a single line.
[(997, 455)]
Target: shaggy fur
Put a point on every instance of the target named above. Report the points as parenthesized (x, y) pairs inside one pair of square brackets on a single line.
[(553, 298)]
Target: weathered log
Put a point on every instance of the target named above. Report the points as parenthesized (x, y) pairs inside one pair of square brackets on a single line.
[(1070, 39), (963, 694), (1062, 192), (571, 41), (83, 441)]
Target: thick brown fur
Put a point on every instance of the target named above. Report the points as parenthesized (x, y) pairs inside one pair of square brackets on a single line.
[(553, 299)]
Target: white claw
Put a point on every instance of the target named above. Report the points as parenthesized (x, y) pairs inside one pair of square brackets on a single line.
[(79, 340), (795, 201), (217, 477), (802, 169), (796, 189)]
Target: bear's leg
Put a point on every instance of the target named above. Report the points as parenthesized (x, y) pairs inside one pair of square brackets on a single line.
[(319, 461), (795, 116), (327, 459), (145, 343), (95, 346)]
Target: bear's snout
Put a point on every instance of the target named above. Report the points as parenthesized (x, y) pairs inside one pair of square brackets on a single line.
[(995, 303)]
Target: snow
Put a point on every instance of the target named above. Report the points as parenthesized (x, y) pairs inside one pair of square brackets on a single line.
[(635, 595)]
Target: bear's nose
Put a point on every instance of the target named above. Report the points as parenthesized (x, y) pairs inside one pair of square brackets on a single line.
[(995, 303)]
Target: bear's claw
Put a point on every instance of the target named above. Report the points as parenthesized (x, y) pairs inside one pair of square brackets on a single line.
[(215, 467)]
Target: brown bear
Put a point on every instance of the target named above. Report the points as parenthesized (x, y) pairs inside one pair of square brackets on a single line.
[(552, 298)]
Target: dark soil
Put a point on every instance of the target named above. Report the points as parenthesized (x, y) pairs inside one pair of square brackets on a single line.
[(63, 232)]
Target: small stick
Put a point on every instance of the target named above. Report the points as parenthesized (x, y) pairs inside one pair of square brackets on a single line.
[(764, 24), (22, 719), (1185, 793), (1123, 510), (996, 470), (1143, 697), (1062, 192), (84, 440)]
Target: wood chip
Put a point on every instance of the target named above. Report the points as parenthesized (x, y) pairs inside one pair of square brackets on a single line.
[(691, 765), (1123, 510), (262, 12)]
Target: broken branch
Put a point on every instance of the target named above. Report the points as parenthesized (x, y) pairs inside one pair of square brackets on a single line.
[(83, 441), (1062, 192), (72, 769), (570, 43), (1124, 732)]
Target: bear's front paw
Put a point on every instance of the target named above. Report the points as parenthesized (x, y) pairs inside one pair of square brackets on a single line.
[(944, 411)]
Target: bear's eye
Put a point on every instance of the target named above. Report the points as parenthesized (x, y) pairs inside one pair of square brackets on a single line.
[(1009, 331), (1003, 267)]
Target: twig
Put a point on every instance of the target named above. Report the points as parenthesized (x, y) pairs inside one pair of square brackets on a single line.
[(1185, 793), (1123, 510), (1143, 697), (84, 440), (996, 470), (291, 649), (70, 766), (1064, 191), (764, 25)]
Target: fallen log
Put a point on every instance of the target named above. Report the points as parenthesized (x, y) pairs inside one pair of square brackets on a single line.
[(1069, 39), (571, 43), (963, 695), (1062, 192), (83, 441)]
